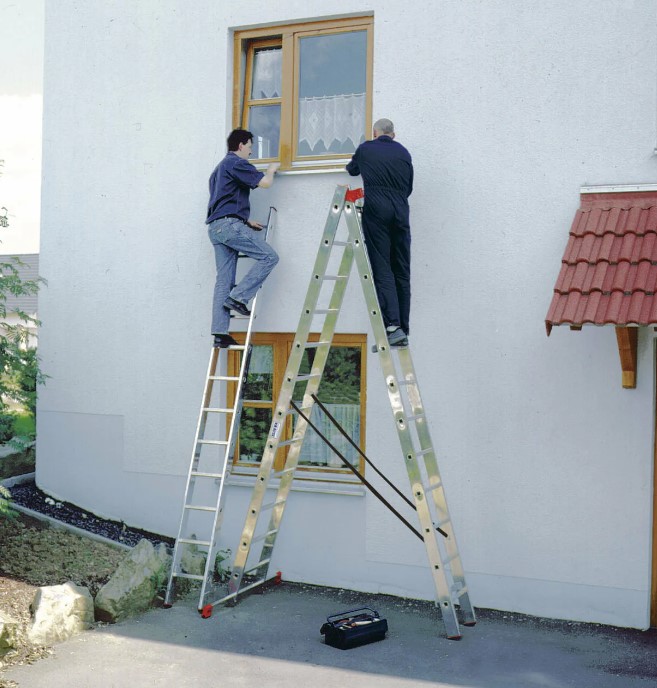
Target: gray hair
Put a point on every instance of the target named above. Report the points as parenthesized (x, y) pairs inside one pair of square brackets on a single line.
[(384, 126)]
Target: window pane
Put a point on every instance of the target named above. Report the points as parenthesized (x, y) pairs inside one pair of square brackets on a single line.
[(259, 380), (266, 73), (265, 123), (332, 88), (339, 391), (254, 428)]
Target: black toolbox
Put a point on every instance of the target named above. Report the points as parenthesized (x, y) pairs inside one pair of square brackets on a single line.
[(354, 627)]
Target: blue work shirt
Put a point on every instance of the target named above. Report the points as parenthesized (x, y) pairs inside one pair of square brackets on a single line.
[(230, 185), (384, 165)]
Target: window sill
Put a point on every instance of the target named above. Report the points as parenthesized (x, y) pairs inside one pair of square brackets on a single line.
[(329, 167), (333, 483)]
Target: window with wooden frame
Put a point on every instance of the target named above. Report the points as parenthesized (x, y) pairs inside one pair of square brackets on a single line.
[(305, 91), (342, 391)]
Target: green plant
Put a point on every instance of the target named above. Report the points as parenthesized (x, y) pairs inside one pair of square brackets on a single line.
[(6, 510), (6, 427), (223, 572)]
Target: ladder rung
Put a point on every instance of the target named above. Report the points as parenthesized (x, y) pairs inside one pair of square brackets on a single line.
[(416, 417), (202, 474), (288, 442), (341, 243), (434, 486), (462, 591), (325, 311), (225, 378), (315, 345), (219, 442), (216, 409), (266, 535), (450, 558), (191, 541), (334, 278), (191, 576), (200, 508), (424, 452), (292, 411), (271, 505), (285, 470), (310, 376), (259, 565)]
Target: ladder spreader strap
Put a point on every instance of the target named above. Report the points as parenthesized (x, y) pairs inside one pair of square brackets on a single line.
[(365, 482)]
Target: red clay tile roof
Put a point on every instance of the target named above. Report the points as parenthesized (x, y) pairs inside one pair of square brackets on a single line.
[(609, 268)]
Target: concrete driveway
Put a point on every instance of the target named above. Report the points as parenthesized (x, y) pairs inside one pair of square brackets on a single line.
[(272, 640)]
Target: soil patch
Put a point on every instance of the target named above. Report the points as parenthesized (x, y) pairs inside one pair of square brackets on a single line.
[(33, 554)]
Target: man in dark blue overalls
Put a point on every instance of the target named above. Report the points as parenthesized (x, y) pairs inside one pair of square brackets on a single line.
[(387, 171)]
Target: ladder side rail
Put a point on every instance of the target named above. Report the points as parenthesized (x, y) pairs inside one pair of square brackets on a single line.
[(200, 428), (233, 432), (444, 597), (282, 404), (312, 387), (438, 494)]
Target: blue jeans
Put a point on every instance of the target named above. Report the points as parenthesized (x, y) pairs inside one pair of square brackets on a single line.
[(231, 236)]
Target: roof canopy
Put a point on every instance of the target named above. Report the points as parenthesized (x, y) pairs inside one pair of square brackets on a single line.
[(609, 268)]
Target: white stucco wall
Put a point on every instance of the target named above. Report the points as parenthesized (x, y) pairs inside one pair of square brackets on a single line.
[(508, 108)]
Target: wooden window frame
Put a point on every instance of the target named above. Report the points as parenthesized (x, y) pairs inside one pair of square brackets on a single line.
[(282, 346), (288, 37)]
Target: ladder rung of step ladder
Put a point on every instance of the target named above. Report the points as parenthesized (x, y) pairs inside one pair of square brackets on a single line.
[(225, 378), (334, 278), (259, 565), (310, 376), (326, 311), (217, 442), (434, 486), (315, 345), (271, 505), (264, 536), (416, 417), (341, 243), (193, 507), (203, 474), (276, 474), (191, 576), (462, 591), (192, 541), (286, 443), (424, 452), (217, 409)]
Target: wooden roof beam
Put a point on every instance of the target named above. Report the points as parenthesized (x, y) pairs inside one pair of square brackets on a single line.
[(627, 338)]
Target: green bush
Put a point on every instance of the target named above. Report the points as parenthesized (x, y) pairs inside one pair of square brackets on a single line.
[(6, 427)]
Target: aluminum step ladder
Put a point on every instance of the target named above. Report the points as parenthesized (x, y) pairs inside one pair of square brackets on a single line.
[(407, 408), (212, 457)]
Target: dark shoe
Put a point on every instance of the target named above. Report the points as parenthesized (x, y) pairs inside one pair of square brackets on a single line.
[(221, 341), (398, 338), (233, 305)]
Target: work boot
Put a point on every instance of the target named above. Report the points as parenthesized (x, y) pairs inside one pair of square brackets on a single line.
[(221, 341), (398, 337), (234, 305)]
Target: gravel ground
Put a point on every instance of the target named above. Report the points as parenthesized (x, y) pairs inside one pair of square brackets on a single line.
[(31, 497)]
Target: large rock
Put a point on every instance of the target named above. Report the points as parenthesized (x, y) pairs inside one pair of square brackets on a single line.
[(134, 584), (59, 612), (8, 633)]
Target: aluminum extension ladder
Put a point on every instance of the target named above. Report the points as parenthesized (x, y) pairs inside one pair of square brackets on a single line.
[(211, 460), (408, 412)]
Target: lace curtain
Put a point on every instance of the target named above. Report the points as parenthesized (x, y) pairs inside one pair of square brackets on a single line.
[(316, 451), (267, 74), (329, 118)]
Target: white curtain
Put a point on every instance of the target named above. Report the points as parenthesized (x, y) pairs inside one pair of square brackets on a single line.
[(329, 118), (316, 451), (267, 74)]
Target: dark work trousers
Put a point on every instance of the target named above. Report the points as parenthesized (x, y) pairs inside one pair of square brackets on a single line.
[(388, 240)]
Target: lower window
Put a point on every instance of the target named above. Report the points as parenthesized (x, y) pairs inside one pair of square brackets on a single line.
[(342, 391)]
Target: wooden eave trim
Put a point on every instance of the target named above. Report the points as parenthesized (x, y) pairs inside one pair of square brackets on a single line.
[(627, 338)]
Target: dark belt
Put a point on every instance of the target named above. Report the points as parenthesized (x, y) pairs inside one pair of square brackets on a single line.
[(237, 217)]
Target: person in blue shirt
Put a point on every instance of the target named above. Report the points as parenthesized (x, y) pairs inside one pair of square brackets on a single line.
[(387, 172), (232, 232)]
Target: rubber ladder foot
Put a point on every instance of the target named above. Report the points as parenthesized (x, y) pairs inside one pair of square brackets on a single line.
[(454, 637), (469, 623), (167, 605), (206, 612)]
